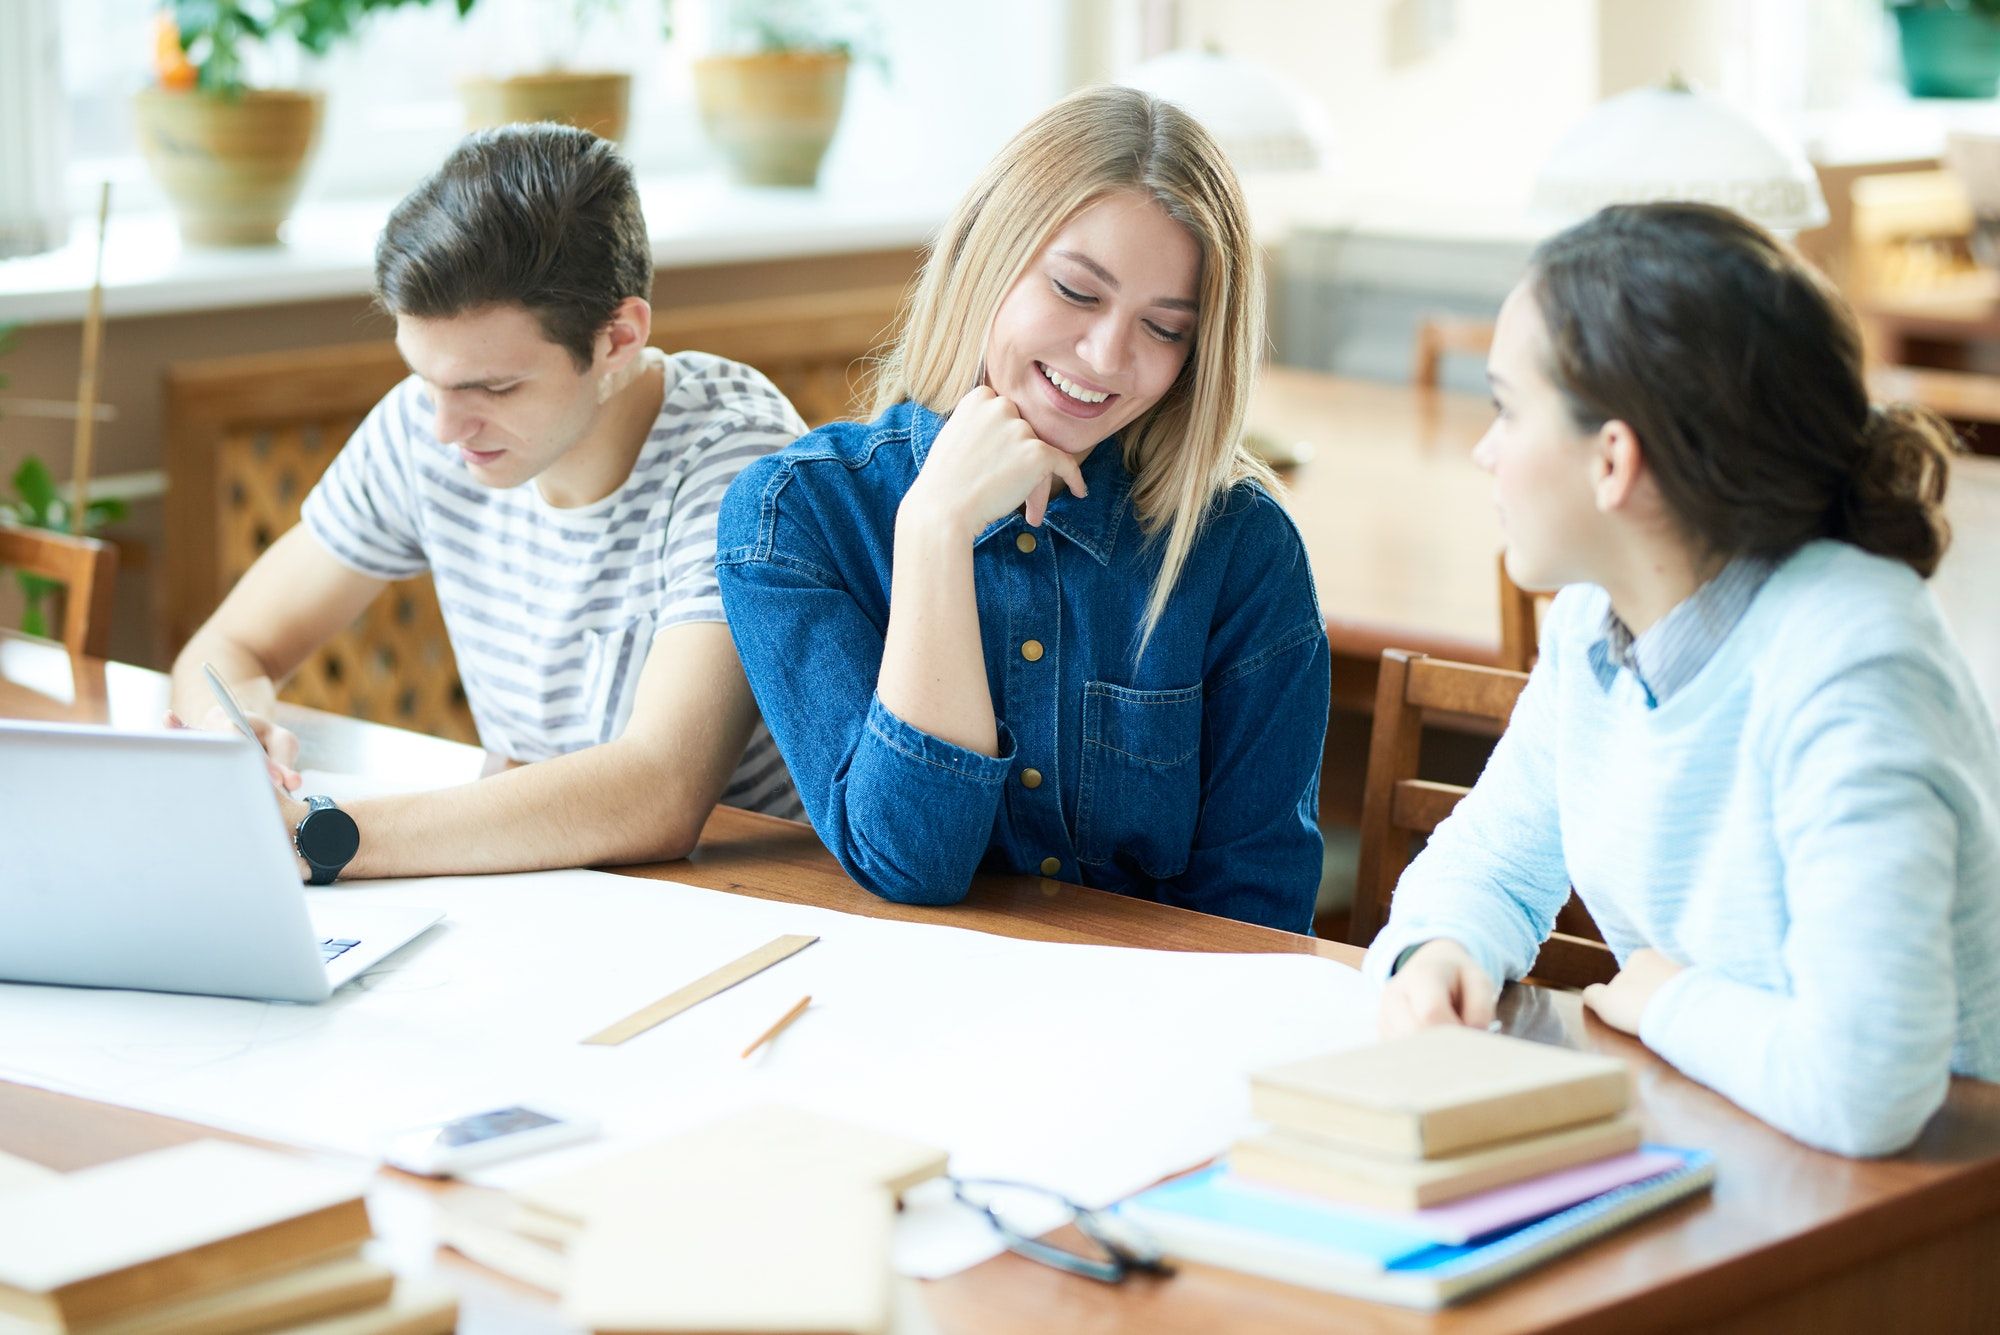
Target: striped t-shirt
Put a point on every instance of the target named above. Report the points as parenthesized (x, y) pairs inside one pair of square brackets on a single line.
[(551, 612)]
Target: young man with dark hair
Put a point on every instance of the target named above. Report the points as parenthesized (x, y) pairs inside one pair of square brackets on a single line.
[(560, 480)]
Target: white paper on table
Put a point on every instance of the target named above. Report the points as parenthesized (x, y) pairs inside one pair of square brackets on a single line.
[(1089, 1070), (354, 787)]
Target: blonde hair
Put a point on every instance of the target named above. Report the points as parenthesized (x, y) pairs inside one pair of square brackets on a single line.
[(1187, 449)]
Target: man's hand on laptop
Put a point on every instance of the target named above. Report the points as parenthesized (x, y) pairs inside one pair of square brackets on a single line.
[(281, 745)]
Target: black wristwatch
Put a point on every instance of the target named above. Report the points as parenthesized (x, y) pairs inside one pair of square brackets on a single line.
[(327, 839)]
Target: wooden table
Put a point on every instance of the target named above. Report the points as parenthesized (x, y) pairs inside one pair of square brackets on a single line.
[(1790, 1240), (1398, 521)]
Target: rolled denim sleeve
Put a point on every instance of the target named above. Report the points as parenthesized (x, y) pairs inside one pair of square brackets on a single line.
[(908, 815)]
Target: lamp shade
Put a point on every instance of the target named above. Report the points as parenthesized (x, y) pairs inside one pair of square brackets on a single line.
[(1678, 144), (1263, 122)]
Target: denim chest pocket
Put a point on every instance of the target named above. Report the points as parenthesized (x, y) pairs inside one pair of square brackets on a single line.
[(1139, 788)]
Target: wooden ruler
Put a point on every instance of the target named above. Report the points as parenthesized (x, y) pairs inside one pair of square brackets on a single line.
[(701, 989)]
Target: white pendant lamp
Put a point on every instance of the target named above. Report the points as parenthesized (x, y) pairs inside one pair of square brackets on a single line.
[(1263, 122), (1678, 143)]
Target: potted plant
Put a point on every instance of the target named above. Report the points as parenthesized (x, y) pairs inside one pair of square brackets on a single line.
[(595, 100), (772, 101), (38, 502), (232, 157), (1951, 48)]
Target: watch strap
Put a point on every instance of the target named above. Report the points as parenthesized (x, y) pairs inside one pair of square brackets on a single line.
[(318, 873)]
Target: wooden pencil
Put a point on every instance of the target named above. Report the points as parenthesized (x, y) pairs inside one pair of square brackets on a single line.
[(794, 1013)]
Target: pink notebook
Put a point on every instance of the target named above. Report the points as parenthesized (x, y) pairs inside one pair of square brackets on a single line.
[(1470, 1217)]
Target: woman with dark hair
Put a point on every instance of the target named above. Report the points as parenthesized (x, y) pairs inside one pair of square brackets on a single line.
[(1749, 743)]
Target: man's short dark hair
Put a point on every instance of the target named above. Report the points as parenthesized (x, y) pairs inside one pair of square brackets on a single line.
[(542, 216)]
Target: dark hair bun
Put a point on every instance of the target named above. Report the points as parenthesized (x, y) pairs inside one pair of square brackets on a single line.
[(1893, 502)]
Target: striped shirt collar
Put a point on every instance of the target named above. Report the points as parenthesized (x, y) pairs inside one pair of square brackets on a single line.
[(1677, 646)]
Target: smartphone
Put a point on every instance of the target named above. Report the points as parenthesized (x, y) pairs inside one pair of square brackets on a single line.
[(227, 699), (445, 1149)]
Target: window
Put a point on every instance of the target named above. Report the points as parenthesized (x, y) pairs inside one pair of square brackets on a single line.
[(960, 79)]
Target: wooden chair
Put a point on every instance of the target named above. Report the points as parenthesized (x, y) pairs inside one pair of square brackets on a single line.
[(1399, 805), (1520, 621), (1439, 336), (87, 570), (248, 436), (1909, 232), (1834, 247)]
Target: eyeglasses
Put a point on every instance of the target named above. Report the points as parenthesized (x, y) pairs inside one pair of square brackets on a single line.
[(1124, 1247)]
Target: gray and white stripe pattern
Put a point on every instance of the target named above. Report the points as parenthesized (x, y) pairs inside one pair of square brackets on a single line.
[(552, 612), (1677, 646)]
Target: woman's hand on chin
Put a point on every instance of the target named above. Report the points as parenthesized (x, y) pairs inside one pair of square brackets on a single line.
[(986, 462)]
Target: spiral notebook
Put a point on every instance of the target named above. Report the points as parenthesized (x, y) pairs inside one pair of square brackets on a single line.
[(1216, 1218)]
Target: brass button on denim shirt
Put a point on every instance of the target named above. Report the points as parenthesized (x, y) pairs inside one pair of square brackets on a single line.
[(1186, 774)]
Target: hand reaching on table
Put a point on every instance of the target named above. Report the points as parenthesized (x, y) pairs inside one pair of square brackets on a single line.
[(1438, 984)]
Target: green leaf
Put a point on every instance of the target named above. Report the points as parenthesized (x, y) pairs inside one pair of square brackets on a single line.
[(34, 592), (36, 488), (214, 33), (104, 510)]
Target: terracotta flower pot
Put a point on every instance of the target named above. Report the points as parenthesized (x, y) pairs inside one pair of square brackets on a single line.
[(774, 113), (596, 101), (231, 165)]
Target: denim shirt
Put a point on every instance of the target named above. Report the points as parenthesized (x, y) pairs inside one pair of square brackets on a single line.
[(1188, 775)]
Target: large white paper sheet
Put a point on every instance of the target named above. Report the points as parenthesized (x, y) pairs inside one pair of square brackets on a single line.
[(1092, 1070)]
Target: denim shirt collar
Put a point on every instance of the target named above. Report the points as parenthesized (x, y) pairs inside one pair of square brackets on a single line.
[(1091, 522)]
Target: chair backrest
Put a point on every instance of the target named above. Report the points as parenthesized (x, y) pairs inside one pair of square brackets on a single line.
[(1909, 232), (248, 436), (1439, 336), (1520, 621), (86, 568), (1398, 805)]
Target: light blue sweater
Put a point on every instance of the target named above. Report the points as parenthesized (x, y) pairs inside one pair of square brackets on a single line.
[(1812, 825)]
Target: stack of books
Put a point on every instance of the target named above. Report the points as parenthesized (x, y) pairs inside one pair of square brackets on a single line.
[(772, 1219), (209, 1238), (1441, 1115), (1422, 1170)]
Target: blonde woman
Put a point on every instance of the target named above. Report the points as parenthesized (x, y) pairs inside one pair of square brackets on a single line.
[(1042, 614)]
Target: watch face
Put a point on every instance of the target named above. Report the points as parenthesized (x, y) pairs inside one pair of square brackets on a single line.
[(329, 837)]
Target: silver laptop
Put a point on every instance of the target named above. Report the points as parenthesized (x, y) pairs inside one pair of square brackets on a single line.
[(157, 861)]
